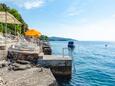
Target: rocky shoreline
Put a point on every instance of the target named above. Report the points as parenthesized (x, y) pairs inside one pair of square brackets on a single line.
[(22, 73)]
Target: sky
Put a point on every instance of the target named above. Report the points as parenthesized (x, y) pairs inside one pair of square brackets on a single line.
[(88, 20)]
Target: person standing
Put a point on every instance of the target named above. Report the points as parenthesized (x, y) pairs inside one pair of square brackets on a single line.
[(71, 48)]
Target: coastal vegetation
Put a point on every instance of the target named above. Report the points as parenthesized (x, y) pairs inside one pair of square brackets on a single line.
[(44, 37), (60, 39), (11, 27)]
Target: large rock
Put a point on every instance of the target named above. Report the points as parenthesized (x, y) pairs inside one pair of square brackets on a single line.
[(23, 62), (29, 77), (17, 66), (2, 47), (3, 54), (3, 63), (47, 51), (23, 55), (2, 82)]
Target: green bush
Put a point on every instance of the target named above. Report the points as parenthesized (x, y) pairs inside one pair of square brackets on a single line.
[(44, 37)]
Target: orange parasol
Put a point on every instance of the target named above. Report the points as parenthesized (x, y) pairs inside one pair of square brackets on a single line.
[(33, 33)]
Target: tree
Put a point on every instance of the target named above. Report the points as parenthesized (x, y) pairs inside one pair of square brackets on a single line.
[(3, 7), (44, 37)]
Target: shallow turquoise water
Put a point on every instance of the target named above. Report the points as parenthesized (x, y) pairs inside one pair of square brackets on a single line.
[(93, 63)]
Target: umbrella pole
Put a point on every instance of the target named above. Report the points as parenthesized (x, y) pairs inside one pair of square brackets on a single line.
[(20, 29), (1, 28), (5, 27), (15, 28), (6, 22)]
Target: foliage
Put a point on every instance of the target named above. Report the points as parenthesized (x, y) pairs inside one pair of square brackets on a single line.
[(11, 28), (44, 38), (60, 39)]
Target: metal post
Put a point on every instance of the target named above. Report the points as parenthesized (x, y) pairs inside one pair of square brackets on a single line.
[(15, 27), (63, 52)]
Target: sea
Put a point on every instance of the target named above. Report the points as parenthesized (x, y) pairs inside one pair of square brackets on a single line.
[(93, 63)]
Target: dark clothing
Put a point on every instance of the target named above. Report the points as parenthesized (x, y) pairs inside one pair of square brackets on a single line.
[(71, 45)]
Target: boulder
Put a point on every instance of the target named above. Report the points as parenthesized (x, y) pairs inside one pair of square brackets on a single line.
[(2, 82), (17, 66), (23, 62), (3, 55), (47, 51), (22, 55), (3, 63), (28, 77)]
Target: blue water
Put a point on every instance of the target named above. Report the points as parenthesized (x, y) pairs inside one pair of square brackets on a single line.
[(93, 63)]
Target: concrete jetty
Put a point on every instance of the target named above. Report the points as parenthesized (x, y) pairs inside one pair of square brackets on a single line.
[(61, 66)]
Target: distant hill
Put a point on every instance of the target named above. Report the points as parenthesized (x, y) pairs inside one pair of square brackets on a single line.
[(60, 39)]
